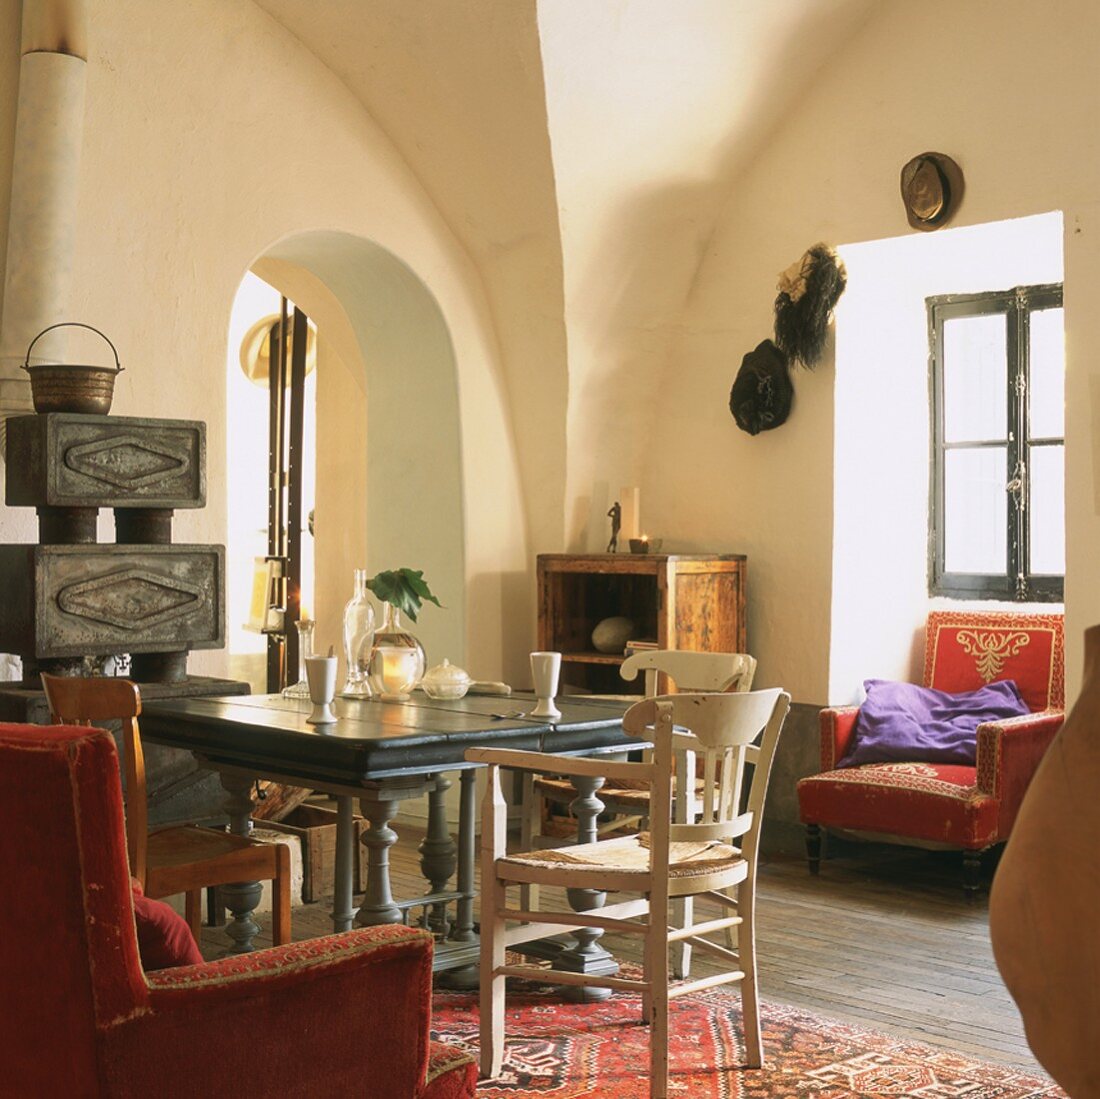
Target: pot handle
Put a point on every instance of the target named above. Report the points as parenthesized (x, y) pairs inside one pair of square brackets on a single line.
[(70, 324)]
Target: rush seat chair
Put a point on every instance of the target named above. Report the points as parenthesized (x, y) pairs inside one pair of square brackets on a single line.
[(949, 805), (180, 859), (345, 1014), (663, 669), (715, 857)]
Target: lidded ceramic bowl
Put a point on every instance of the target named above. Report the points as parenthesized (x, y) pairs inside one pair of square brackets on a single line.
[(445, 681)]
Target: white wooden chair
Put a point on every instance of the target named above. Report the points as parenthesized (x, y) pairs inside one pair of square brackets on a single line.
[(687, 671), (672, 860)]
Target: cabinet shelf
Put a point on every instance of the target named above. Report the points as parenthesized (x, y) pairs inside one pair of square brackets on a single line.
[(592, 658)]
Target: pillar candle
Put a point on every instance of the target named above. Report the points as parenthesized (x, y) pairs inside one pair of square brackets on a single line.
[(630, 498)]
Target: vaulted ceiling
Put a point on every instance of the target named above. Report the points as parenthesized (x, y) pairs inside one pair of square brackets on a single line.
[(580, 150)]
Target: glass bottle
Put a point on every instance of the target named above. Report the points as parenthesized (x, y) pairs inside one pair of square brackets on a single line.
[(300, 689), (397, 660), (358, 639)]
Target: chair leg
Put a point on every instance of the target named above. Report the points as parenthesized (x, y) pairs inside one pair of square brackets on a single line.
[(492, 984), (683, 915), (530, 829), (193, 911), (215, 910), (280, 896), (813, 847), (972, 873), (746, 949), (656, 976)]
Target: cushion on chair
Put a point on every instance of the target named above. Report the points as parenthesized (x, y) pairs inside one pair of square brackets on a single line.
[(164, 939), (901, 722), (937, 802), (965, 651)]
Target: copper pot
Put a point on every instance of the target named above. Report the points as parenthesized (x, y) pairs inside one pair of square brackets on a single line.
[(60, 387)]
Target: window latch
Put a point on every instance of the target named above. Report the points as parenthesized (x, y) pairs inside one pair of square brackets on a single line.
[(1016, 485)]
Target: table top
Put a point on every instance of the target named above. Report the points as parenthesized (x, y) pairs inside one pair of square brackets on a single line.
[(374, 740)]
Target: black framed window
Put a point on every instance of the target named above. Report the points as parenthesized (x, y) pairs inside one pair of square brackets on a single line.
[(997, 522)]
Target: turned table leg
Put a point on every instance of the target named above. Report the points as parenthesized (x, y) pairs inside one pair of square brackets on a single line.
[(343, 903), (379, 808), (586, 956), (241, 898), (437, 855), (465, 977)]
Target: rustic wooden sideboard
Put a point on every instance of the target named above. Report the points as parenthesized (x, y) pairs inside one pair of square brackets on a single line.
[(676, 601)]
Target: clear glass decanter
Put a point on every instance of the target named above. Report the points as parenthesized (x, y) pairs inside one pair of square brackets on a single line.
[(305, 627), (358, 639), (397, 660)]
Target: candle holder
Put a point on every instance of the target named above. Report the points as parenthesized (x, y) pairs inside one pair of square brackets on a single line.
[(396, 670), (645, 545), (305, 628), (391, 639)]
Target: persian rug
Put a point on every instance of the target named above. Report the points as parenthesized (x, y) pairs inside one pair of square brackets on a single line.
[(565, 1051)]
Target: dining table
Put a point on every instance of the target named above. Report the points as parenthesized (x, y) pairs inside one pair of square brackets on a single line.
[(379, 754)]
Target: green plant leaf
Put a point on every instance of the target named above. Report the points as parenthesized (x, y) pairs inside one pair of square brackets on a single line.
[(405, 588)]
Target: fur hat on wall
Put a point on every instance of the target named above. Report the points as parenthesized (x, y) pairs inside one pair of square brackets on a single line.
[(808, 291)]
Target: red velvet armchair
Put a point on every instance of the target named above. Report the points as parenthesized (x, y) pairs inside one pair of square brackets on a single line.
[(971, 807), (341, 1015)]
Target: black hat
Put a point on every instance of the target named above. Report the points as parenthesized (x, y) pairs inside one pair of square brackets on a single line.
[(762, 392)]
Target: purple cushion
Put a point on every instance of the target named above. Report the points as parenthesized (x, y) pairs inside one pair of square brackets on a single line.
[(901, 722)]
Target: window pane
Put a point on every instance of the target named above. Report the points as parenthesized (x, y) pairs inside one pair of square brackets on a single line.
[(1048, 368), (976, 511), (1047, 510), (975, 386)]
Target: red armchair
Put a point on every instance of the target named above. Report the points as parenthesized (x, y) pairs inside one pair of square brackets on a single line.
[(949, 805), (341, 1015)]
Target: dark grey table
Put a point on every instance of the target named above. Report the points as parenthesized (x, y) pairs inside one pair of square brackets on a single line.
[(382, 753)]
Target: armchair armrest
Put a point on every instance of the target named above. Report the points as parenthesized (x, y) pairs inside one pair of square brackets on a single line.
[(1009, 752), (360, 1002), (838, 724)]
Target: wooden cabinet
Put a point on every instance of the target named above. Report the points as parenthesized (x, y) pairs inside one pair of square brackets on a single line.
[(681, 601)]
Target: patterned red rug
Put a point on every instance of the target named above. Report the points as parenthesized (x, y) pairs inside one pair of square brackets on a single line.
[(565, 1051)]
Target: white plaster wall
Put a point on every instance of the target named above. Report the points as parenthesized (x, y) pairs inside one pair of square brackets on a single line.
[(880, 534), (210, 134), (1010, 90)]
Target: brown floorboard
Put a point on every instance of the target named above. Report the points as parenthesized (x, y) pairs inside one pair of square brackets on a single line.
[(884, 938)]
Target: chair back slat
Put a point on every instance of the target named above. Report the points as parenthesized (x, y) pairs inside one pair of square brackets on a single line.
[(724, 830), (84, 701), (691, 671), (724, 726)]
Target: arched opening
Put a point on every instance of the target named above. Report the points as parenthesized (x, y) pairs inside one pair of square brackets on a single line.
[(387, 444)]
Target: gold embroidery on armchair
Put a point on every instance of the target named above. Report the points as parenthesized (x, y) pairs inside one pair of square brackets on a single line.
[(991, 648)]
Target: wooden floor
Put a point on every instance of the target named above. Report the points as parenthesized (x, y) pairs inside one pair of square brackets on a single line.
[(884, 938)]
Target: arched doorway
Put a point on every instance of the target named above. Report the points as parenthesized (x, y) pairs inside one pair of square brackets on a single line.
[(387, 453)]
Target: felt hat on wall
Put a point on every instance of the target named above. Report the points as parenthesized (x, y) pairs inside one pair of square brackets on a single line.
[(931, 189), (254, 354), (762, 392)]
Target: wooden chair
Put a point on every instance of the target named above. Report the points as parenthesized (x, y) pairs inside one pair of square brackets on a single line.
[(183, 859), (687, 671), (672, 860)]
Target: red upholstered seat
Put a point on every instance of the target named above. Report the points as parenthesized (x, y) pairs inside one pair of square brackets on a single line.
[(952, 805), (342, 1015)]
